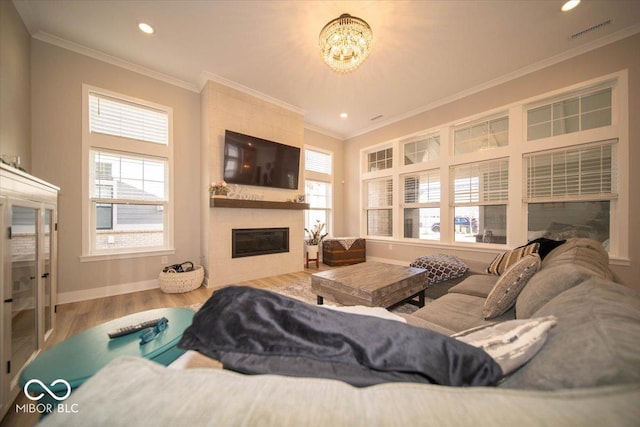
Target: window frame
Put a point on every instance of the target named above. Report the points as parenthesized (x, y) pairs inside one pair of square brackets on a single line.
[(517, 148), (312, 175), (127, 147)]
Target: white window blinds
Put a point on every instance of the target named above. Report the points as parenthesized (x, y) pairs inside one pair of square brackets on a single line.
[(423, 187), (379, 193), (124, 119), (480, 183), (574, 174), (317, 161)]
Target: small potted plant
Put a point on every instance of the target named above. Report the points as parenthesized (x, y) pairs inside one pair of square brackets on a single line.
[(218, 189), (314, 237)]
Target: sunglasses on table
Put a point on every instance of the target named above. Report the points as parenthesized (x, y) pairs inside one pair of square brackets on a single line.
[(149, 334)]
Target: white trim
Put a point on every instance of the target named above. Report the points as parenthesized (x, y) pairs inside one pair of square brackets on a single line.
[(129, 147), (106, 291), (518, 147), (128, 255), (323, 131), (101, 56), (612, 38), (205, 76)]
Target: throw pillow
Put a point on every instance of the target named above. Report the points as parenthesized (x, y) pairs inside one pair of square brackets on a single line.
[(512, 343), (441, 267), (505, 292), (503, 261)]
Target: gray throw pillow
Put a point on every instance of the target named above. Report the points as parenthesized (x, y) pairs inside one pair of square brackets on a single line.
[(512, 343), (505, 292)]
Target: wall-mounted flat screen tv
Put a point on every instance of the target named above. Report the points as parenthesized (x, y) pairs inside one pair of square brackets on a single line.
[(254, 161)]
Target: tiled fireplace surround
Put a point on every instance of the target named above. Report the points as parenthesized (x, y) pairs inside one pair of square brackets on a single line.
[(224, 270), (227, 108)]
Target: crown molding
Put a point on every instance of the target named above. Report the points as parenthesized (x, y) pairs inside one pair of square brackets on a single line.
[(611, 38), (323, 131), (101, 56), (206, 76)]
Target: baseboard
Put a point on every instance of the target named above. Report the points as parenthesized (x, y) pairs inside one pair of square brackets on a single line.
[(388, 260), (106, 291)]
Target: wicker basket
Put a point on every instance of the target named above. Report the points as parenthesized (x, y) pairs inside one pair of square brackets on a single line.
[(175, 283)]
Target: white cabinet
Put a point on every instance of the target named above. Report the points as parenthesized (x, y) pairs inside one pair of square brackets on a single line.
[(28, 270)]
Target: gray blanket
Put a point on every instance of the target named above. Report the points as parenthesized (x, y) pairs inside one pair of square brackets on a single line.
[(260, 332)]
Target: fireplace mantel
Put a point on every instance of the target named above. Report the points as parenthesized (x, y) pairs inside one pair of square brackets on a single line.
[(255, 204)]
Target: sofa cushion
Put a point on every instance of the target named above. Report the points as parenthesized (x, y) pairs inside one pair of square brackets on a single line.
[(546, 245), (587, 253), (503, 295), (458, 312), (440, 267), (547, 284), (504, 260), (512, 343), (595, 342), (479, 285), (134, 392)]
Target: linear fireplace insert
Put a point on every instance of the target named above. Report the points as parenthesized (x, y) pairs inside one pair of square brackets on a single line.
[(258, 241)]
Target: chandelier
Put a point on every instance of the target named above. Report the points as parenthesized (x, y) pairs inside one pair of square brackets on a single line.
[(345, 43)]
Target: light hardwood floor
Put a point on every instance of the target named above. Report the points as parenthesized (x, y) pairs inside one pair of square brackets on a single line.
[(74, 318)]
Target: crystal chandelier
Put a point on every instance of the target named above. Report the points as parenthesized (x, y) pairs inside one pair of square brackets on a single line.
[(345, 43)]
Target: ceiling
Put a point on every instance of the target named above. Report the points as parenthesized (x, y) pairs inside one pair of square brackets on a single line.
[(424, 52)]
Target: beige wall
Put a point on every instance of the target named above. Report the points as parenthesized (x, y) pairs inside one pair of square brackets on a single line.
[(57, 76), (609, 59), (15, 114), (336, 146)]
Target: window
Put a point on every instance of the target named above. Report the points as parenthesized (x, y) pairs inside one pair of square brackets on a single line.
[(422, 205), (319, 198), (569, 192), (454, 178), (481, 136), (126, 146), (421, 149), (379, 194), (480, 192), (318, 188), (578, 113), (380, 160)]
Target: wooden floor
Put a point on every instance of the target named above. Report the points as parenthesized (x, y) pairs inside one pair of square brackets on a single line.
[(76, 317)]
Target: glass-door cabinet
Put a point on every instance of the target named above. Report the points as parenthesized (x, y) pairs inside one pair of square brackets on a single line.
[(28, 260)]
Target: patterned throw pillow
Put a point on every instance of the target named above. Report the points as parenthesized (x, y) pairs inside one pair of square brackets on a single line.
[(503, 261), (512, 343), (441, 267), (506, 290)]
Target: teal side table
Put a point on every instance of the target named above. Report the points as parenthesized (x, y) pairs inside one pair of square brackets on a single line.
[(79, 357)]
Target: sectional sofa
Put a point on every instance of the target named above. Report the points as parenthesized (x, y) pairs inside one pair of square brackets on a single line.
[(586, 373)]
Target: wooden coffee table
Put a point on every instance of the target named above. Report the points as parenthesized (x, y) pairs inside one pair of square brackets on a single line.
[(372, 284)]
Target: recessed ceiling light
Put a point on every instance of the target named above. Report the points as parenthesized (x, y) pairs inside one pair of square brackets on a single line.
[(567, 6), (343, 115), (146, 28)]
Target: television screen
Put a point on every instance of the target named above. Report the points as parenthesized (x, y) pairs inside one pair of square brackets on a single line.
[(254, 161)]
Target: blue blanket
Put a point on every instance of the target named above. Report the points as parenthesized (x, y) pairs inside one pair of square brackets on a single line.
[(255, 331)]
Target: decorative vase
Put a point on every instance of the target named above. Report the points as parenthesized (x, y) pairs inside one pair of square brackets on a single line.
[(312, 250), (219, 196)]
